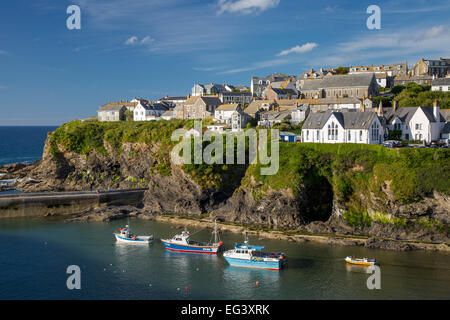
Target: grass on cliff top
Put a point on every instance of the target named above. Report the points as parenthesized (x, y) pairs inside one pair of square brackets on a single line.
[(81, 137), (409, 173)]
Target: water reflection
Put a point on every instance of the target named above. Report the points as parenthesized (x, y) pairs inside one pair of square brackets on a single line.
[(358, 269)]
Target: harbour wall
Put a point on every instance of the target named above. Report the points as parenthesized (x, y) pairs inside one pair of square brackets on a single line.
[(65, 203)]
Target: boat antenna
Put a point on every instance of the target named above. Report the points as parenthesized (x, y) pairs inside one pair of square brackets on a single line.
[(215, 231)]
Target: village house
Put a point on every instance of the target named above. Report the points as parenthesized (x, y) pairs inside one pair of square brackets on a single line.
[(341, 86), (433, 68), (419, 79), (197, 107), (232, 116), (299, 114), (442, 84), (415, 123), (269, 118), (259, 84), (148, 112), (172, 101), (208, 89), (236, 97), (390, 70), (271, 93), (343, 127), (112, 111)]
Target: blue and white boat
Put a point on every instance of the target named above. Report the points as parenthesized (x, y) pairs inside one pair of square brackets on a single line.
[(250, 256), (182, 243), (125, 236)]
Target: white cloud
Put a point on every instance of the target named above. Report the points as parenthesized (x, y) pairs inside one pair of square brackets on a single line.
[(246, 6), (3, 52), (435, 31), (299, 49), (3, 87), (131, 41), (147, 40), (134, 40)]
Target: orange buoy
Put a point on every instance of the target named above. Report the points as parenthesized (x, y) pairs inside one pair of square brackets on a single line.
[(187, 288), (257, 283)]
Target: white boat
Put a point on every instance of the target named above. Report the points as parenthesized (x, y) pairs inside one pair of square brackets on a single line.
[(125, 236), (250, 256)]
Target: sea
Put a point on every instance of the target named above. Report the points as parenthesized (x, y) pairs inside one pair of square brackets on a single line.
[(38, 254)]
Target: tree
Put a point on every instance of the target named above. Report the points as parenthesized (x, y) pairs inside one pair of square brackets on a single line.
[(342, 70), (397, 89), (129, 115)]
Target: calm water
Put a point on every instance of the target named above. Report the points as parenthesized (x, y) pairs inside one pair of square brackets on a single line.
[(22, 144), (35, 253)]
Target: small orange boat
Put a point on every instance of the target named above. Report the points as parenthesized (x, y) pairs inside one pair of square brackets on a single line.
[(361, 262)]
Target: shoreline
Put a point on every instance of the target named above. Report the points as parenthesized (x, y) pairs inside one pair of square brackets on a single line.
[(329, 239)]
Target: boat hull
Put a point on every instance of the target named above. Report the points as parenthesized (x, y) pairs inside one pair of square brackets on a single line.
[(133, 241), (175, 247), (360, 263), (245, 263)]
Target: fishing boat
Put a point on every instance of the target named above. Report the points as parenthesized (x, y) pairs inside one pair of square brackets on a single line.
[(183, 243), (250, 256), (361, 262), (125, 236)]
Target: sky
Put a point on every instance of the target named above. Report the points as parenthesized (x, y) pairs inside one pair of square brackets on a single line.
[(50, 75)]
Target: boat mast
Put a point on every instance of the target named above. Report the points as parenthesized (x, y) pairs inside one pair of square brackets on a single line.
[(215, 231)]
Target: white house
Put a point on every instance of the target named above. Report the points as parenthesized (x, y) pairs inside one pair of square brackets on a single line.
[(442, 84), (415, 123), (148, 112), (343, 127), (231, 115)]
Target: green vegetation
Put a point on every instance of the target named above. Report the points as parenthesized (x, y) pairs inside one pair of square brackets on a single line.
[(342, 70), (414, 95), (352, 169)]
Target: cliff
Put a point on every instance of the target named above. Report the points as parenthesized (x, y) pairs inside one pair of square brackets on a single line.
[(333, 189)]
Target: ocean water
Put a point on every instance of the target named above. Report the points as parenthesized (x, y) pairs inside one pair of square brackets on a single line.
[(22, 144), (35, 254)]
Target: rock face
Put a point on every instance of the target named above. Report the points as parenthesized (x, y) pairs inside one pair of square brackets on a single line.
[(278, 210)]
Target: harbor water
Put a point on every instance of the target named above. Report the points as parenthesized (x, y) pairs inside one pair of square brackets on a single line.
[(35, 255)]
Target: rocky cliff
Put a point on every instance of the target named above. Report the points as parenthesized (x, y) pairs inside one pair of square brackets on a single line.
[(339, 189)]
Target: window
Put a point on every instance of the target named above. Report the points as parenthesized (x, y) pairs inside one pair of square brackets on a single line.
[(375, 131), (332, 131), (318, 135), (349, 136), (307, 134), (360, 135)]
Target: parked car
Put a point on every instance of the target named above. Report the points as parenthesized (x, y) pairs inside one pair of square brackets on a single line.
[(392, 144)]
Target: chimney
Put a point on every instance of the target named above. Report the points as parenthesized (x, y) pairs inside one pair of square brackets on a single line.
[(436, 111), (362, 107), (395, 105)]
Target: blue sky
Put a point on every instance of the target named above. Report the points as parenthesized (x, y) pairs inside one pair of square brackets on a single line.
[(149, 48)]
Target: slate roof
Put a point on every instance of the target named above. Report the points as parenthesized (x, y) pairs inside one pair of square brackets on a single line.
[(228, 107), (348, 120), (237, 94), (339, 81), (446, 128), (113, 106), (441, 82), (406, 113), (275, 115)]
